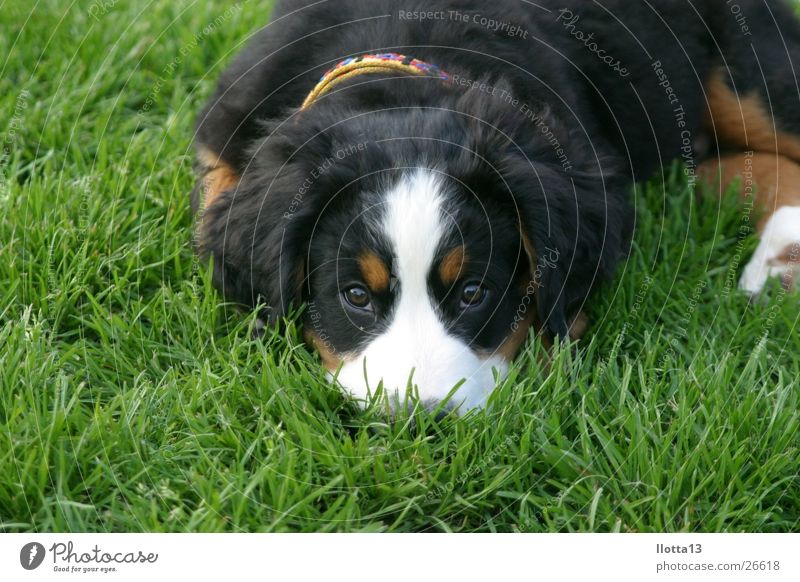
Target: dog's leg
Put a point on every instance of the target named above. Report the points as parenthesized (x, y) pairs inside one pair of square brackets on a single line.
[(767, 160), (753, 101), (774, 181)]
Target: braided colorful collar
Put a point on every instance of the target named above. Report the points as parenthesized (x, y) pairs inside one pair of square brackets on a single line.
[(378, 63)]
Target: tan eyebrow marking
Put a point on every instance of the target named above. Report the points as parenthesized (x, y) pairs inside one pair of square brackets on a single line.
[(452, 265), (374, 271)]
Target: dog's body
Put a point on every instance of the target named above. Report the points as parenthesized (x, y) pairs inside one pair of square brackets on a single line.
[(428, 223)]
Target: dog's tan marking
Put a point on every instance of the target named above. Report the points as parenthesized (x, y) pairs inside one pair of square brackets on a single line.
[(773, 180), (330, 358), (744, 121), (790, 255), (374, 271), (788, 263), (579, 325), (452, 265), (298, 275), (510, 347), (527, 245), (217, 178)]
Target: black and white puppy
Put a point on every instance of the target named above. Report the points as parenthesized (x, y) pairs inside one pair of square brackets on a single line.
[(434, 179)]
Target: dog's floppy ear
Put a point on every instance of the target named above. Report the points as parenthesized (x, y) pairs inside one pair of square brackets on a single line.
[(571, 201), (255, 233), (577, 227)]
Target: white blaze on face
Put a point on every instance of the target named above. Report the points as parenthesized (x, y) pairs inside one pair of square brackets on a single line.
[(416, 339)]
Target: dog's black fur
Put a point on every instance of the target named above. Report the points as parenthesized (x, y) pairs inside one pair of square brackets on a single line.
[(614, 128)]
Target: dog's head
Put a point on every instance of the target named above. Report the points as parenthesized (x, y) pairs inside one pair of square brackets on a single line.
[(424, 241)]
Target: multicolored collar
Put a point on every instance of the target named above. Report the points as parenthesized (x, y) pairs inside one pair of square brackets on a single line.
[(378, 63)]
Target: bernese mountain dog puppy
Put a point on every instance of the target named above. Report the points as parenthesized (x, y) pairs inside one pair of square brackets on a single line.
[(432, 180)]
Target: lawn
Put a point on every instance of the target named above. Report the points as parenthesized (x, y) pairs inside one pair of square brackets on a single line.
[(132, 398)]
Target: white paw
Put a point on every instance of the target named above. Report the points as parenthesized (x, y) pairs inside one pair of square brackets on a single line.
[(778, 253)]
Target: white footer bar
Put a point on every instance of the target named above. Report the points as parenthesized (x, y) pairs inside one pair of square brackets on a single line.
[(401, 557)]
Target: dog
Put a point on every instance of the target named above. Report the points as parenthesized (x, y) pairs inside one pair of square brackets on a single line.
[(433, 180)]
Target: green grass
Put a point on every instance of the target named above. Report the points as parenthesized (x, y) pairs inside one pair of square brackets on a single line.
[(133, 399)]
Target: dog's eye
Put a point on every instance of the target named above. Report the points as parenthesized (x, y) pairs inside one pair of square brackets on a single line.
[(472, 295), (358, 297)]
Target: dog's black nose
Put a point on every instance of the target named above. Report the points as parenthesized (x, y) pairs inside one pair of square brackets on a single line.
[(438, 409)]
